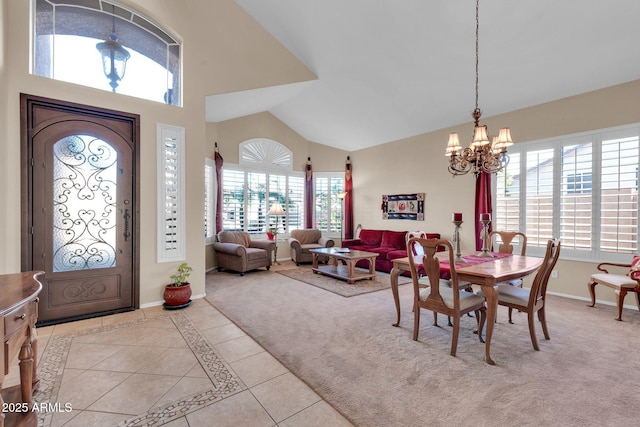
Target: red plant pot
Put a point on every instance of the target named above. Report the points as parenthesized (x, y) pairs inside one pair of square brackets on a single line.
[(270, 235), (177, 296)]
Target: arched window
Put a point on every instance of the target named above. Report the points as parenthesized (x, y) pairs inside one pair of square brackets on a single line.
[(265, 176), (107, 46), (266, 153)]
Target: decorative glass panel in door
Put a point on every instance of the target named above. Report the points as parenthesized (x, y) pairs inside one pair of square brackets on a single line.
[(84, 203)]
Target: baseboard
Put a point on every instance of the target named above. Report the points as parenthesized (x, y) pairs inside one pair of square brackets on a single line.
[(157, 303), (612, 304)]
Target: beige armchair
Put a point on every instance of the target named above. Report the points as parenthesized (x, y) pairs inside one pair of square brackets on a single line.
[(301, 241), (236, 251)]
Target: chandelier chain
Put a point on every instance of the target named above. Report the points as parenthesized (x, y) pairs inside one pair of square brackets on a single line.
[(477, 47)]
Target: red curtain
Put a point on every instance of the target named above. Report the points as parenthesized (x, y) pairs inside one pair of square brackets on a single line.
[(483, 204), (219, 162), (348, 201), (308, 195)]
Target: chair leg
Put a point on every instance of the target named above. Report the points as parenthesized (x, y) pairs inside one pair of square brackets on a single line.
[(620, 294), (510, 312), (592, 291), (456, 332), (543, 321), (638, 299), (435, 319), (416, 321), (532, 330), (481, 317)]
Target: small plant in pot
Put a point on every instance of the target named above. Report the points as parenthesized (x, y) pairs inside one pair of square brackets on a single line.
[(178, 293), (272, 233)]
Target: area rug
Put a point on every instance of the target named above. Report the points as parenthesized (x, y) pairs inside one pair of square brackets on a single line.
[(341, 287)]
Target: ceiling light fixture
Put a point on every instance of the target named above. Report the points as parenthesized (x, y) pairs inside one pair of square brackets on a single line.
[(114, 56), (482, 155)]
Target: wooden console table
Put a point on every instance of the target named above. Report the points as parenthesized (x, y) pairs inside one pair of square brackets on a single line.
[(19, 309)]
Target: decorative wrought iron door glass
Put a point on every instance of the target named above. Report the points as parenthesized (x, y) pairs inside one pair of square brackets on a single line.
[(84, 217)]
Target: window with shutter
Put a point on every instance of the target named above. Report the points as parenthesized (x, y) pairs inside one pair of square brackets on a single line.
[(171, 245)]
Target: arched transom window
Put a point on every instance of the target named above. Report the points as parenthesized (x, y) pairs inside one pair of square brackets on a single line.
[(106, 45), (266, 153)]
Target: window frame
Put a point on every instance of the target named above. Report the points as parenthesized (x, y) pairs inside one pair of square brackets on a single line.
[(334, 204), (166, 191), (210, 196), (284, 221), (135, 31), (596, 251)]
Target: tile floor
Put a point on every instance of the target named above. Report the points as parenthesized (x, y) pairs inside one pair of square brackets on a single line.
[(190, 367)]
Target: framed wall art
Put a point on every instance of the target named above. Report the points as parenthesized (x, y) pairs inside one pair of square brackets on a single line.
[(403, 206)]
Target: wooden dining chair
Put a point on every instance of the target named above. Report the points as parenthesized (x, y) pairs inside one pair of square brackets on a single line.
[(502, 241), (532, 300), (442, 296)]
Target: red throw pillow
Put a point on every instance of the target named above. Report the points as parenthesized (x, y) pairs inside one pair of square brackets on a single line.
[(634, 271)]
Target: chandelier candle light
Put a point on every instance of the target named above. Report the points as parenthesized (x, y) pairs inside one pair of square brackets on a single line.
[(456, 218), (483, 155)]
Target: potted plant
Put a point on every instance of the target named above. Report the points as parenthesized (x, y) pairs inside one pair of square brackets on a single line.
[(177, 293), (272, 233)]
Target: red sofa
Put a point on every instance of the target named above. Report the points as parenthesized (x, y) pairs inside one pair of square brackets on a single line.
[(387, 243)]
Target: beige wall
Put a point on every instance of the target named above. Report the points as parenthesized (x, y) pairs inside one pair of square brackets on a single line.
[(418, 164), (223, 51)]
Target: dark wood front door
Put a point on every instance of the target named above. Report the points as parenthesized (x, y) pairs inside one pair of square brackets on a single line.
[(80, 207)]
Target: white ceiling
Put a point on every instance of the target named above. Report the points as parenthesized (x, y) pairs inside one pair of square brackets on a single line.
[(391, 69)]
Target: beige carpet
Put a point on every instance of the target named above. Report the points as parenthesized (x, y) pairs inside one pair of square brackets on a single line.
[(376, 375), (304, 274)]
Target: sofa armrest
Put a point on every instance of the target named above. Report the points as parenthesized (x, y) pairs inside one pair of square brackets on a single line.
[(351, 242), (326, 242), (230, 248), (295, 244), (267, 245)]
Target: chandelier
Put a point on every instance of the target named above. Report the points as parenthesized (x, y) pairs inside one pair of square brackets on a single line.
[(114, 56), (483, 155)]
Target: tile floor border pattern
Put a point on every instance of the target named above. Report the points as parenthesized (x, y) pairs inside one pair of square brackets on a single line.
[(226, 383)]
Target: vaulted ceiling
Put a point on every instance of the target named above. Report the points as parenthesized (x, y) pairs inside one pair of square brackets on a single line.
[(392, 69)]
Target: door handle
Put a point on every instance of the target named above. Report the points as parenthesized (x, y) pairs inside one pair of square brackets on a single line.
[(127, 216)]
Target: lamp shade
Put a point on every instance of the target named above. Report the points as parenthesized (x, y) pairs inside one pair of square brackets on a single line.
[(276, 209), (342, 195), (454, 144), (504, 137), (480, 136)]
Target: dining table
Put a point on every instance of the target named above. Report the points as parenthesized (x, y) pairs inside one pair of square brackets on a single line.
[(482, 270)]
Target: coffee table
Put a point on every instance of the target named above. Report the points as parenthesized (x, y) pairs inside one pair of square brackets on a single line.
[(346, 271)]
